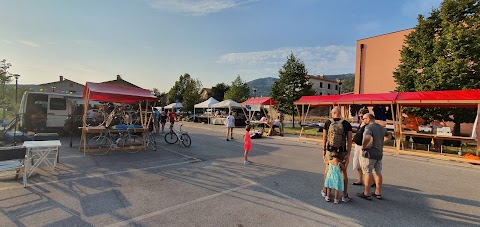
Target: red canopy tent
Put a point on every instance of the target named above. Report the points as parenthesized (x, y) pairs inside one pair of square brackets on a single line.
[(261, 101), (448, 98), (114, 93), (318, 100)]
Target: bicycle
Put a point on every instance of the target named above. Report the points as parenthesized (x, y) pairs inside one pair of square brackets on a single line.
[(103, 143), (151, 139), (180, 136)]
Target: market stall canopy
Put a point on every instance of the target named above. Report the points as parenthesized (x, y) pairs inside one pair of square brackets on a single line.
[(175, 105), (366, 99), (206, 104), (259, 101), (448, 98), (116, 93), (318, 100), (227, 104)]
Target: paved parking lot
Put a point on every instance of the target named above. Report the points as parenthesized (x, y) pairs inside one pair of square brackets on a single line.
[(207, 184)]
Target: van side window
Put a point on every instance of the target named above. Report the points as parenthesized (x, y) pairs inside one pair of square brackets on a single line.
[(58, 104)]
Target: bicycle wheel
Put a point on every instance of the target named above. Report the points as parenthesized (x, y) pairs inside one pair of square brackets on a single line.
[(133, 143), (99, 145), (186, 140), (171, 138), (152, 142)]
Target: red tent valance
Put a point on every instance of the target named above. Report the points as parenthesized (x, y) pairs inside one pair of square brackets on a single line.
[(450, 98), (366, 99), (259, 101), (318, 100), (116, 93)]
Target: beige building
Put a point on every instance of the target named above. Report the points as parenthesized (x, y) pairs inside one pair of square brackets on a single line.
[(376, 59), (323, 86), (63, 85)]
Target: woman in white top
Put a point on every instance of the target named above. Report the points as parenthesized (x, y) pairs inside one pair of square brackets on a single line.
[(230, 125)]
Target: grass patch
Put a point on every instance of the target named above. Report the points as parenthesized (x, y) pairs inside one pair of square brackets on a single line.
[(310, 132)]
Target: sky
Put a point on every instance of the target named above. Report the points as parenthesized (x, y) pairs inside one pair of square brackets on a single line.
[(151, 43)]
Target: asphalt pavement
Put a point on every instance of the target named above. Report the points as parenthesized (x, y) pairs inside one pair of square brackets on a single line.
[(207, 184)]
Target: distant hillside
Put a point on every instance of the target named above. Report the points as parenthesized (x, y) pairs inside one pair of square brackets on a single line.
[(263, 85), (341, 76)]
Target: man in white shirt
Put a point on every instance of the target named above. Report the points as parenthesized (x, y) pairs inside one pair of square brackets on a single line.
[(230, 125)]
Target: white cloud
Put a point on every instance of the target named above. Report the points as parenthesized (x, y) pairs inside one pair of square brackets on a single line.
[(197, 7), (415, 7), (28, 43), (6, 41), (318, 60)]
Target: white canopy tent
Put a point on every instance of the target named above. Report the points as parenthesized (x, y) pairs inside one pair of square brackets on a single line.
[(204, 105), (175, 105), (230, 104)]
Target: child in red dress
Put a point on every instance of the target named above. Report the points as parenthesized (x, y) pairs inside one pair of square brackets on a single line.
[(247, 146)]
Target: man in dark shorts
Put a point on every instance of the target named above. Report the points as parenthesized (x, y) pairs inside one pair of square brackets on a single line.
[(343, 150)]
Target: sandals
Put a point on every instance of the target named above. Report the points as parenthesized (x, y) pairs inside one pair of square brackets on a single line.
[(357, 183), (379, 197), (363, 196), (336, 201)]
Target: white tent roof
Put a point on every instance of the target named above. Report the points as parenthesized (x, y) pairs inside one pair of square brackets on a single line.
[(174, 105), (227, 104), (207, 103)]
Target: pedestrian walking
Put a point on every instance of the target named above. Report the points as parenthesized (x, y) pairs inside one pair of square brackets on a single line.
[(230, 125), (163, 119), (156, 120)]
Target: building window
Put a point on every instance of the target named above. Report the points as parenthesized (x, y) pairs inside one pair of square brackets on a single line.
[(336, 87), (320, 93), (328, 86), (321, 84)]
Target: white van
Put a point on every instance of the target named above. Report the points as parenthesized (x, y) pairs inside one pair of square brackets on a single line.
[(40, 111)]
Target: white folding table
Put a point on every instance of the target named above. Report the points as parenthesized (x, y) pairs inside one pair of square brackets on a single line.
[(42, 150)]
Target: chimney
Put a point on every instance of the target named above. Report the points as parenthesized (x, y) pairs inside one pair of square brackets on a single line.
[(119, 77), (61, 78)]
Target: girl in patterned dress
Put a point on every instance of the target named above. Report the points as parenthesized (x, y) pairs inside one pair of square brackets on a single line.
[(334, 178), (247, 146)]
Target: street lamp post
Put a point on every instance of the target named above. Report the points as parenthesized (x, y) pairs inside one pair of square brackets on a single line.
[(339, 81), (16, 111), (53, 89), (254, 92)]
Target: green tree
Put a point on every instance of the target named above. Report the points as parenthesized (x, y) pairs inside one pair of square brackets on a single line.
[(238, 91), (219, 90), (443, 53), (186, 90), (347, 85), (162, 97), (292, 85), (5, 78)]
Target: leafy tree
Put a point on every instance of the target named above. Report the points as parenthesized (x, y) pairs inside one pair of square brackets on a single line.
[(443, 53), (5, 78), (186, 90), (292, 85), (219, 90), (238, 91), (347, 85), (162, 97)]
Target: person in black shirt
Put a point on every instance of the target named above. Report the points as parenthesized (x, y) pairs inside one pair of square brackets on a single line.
[(343, 152)]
